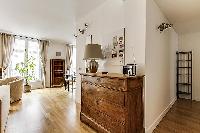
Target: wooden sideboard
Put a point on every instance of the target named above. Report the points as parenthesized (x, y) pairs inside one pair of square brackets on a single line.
[(112, 103)]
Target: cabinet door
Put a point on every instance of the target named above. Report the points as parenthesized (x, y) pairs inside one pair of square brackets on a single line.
[(58, 81), (105, 106), (57, 72)]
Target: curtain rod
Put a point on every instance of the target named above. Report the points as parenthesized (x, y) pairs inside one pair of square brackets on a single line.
[(22, 36)]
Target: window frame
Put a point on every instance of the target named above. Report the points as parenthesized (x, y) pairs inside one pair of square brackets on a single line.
[(26, 55)]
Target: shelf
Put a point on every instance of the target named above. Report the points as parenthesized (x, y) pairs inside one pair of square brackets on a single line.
[(184, 60), (58, 65), (184, 52), (184, 84), (185, 93), (184, 71), (58, 70), (184, 67), (57, 85), (185, 74), (58, 77)]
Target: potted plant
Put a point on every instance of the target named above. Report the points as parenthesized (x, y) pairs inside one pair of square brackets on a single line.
[(26, 70)]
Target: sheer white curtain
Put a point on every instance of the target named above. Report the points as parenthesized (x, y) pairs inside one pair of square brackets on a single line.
[(6, 41), (33, 47), (43, 57), (69, 50), (73, 65), (18, 56)]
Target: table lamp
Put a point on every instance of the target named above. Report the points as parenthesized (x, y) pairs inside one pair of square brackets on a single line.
[(93, 52)]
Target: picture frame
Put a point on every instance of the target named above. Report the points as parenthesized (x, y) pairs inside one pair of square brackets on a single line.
[(114, 50)]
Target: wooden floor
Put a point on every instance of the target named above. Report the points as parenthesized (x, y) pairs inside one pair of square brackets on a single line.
[(46, 111), (184, 117), (55, 111)]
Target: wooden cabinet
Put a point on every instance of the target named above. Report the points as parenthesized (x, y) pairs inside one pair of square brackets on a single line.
[(112, 103), (57, 67)]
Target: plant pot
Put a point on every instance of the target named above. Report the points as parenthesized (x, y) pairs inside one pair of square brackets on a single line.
[(27, 88)]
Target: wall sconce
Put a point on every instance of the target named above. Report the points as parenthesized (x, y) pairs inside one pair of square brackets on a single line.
[(82, 31), (164, 26)]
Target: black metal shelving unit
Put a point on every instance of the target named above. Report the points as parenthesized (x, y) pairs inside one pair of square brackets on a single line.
[(184, 75)]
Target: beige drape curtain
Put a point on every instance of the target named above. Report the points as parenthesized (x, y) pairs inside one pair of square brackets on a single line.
[(43, 56), (69, 51), (7, 45)]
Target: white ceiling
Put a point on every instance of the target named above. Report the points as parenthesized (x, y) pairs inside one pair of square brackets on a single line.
[(184, 14), (85, 6), (44, 19), (55, 19)]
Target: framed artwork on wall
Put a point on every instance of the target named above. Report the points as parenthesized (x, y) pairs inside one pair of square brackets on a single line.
[(58, 53), (114, 48)]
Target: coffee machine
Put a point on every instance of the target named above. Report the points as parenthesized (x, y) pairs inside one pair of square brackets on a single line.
[(130, 69)]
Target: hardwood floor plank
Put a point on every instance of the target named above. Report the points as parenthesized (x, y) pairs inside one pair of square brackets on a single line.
[(51, 110), (183, 117)]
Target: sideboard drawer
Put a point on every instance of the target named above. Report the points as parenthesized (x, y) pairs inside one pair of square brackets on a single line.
[(98, 93), (114, 84), (111, 83), (96, 80)]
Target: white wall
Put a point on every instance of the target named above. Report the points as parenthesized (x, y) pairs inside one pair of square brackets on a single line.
[(52, 49), (110, 17), (188, 42), (80, 65), (104, 20), (160, 88), (135, 22)]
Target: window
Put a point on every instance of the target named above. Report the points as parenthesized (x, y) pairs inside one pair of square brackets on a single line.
[(21, 45), (73, 65), (18, 56), (33, 50)]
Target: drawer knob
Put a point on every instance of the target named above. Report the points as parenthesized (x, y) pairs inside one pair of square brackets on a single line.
[(97, 102)]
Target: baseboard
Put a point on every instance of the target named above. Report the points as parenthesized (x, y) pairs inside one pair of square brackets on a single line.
[(196, 99), (157, 121)]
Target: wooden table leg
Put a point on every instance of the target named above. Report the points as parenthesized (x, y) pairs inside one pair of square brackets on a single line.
[(72, 84), (65, 84), (68, 85)]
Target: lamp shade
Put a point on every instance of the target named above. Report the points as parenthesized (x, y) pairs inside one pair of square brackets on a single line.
[(93, 51)]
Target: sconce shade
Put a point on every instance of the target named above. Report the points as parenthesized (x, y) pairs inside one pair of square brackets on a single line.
[(93, 51)]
